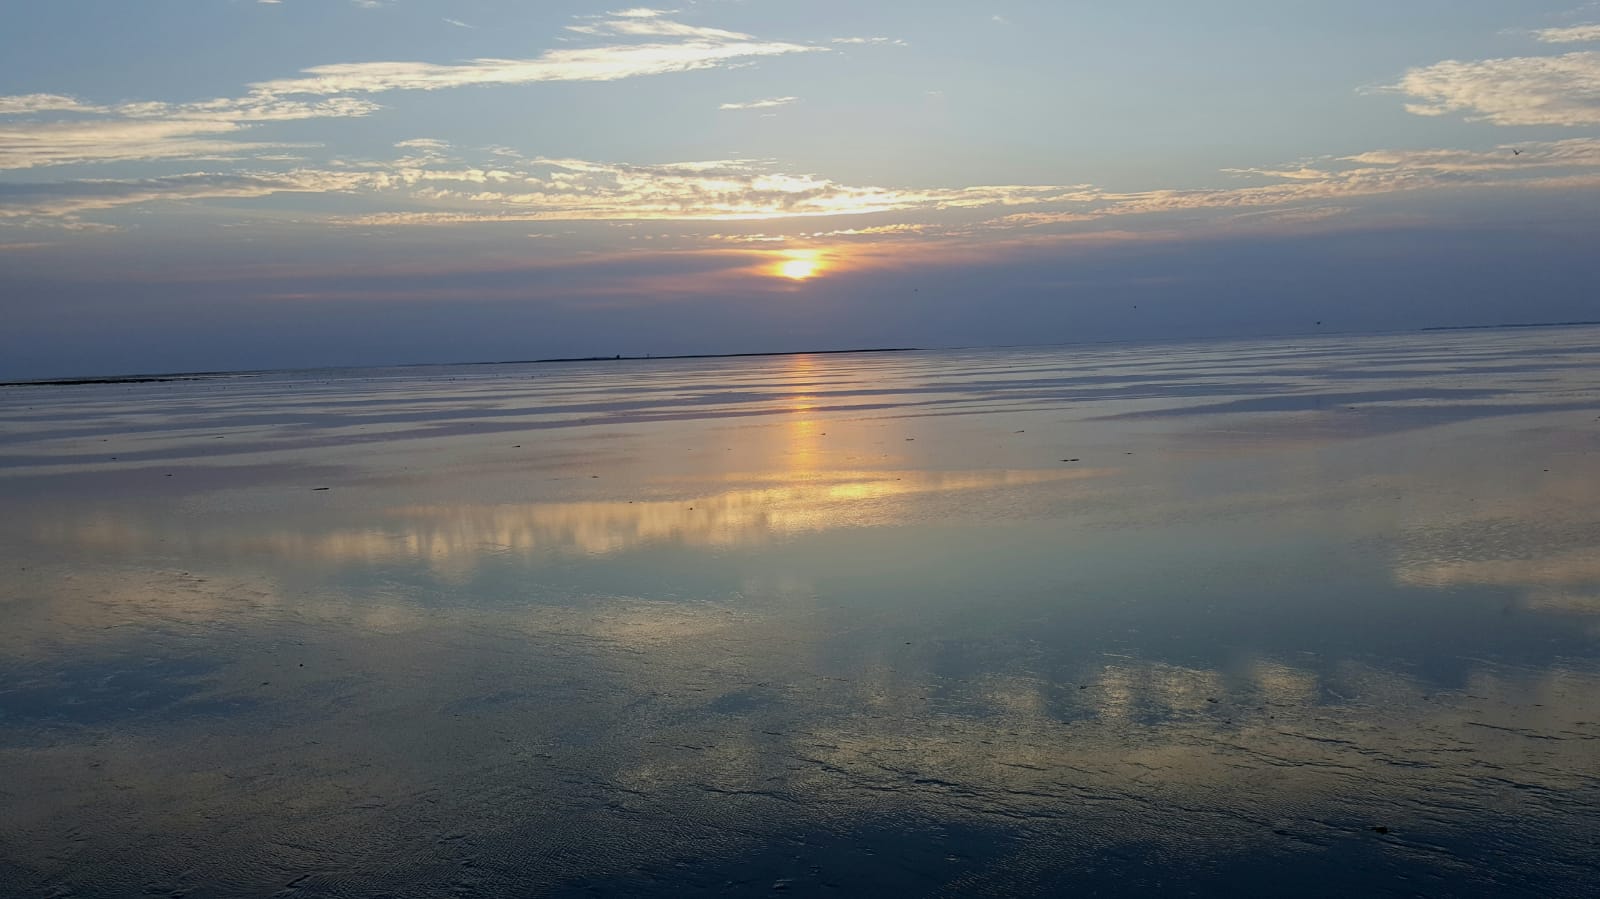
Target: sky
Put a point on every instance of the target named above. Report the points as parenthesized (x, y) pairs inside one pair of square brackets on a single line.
[(197, 185)]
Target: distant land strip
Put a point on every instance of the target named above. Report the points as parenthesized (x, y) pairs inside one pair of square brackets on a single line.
[(212, 375), (1511, 325), (119, 379), (887, 349)]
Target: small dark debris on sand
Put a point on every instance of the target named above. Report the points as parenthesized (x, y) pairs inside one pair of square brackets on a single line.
[(318, 489), (1072, 460)]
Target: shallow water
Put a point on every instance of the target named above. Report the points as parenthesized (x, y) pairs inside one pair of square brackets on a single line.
[(1312, 617)]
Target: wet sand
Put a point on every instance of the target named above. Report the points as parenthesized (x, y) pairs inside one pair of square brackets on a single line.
[(1313, 617)]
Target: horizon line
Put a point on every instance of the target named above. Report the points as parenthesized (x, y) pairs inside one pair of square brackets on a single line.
[(160, 377)]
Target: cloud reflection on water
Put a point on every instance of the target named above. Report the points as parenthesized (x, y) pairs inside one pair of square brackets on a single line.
[(455, 538)]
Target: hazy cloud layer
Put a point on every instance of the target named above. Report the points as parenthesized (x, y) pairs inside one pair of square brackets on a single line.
[(429, 188), (739, 190)]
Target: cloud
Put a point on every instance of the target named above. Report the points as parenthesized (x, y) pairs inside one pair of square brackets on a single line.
[(209, 129), (1574, 34), (1293, 216), (66, 200), (652, 23), (610, 63), (760, 104), (425, 150), (26, 104), (902, 229), (719, 190), (458, 23), (1573, 152), (892, 41), (151, 131), (690, 48), (428, 188), (1526, 90), (1301, 195), (63, 143)]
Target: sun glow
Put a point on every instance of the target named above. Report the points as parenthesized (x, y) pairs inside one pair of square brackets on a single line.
[(799, 265)]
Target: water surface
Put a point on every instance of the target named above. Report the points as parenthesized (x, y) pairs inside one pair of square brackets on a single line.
[(1312, 617)]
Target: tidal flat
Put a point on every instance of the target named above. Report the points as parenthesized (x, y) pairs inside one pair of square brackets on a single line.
[(1309, 617)]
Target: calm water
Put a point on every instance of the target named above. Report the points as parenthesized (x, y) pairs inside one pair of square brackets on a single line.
[(1309, 618)]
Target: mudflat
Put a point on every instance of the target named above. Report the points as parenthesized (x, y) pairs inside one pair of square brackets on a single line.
[(1316, 617)]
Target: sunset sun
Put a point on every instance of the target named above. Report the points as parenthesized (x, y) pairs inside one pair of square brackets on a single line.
[(799, 265)]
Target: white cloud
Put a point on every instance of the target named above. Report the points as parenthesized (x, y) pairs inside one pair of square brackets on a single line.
[(768, 103), (870, 40), (652, 23), (1526, 90), (63, 143), (458, 23), (26, 104), (65, 201), (1574, 34), (678, 48), (148, 131), (610, 63), (210, 129)]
